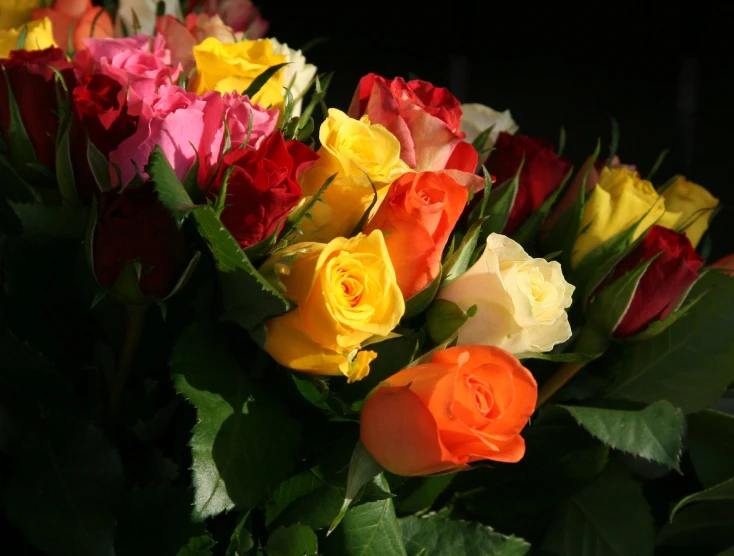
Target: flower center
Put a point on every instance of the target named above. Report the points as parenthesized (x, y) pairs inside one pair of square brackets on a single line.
[(483, 398)]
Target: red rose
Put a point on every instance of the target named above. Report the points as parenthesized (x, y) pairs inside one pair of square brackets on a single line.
[(425, 119), (34, 88), (262, 187), (133, 226), (541, 174), (101, 114), (665, 280)]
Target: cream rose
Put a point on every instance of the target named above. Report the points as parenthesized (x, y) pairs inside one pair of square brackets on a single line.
[(476, 118), (145, 11), (298, 73), (521, 301)]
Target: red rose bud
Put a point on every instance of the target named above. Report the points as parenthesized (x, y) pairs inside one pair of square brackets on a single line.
[(34, 88), (542, 172), (100, 110), (134, 227), (670, 275), (262, 187)]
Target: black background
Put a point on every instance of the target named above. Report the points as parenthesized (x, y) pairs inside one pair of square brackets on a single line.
[(664, 71)]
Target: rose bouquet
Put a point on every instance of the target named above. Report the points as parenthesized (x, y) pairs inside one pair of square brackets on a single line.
[(237, 321)]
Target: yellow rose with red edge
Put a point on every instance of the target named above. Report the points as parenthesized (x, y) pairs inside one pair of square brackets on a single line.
[(695, 204), (346, 293), (618, 201), (39, 36), (357, 151)]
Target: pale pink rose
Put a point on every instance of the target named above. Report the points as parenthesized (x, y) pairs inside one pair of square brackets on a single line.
[(140, 64), (182, 38), (424, 118), (186, 125), (241, 15)]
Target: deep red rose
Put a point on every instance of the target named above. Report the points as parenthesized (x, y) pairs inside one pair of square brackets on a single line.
[(133, 226), (541, 174), (665, 280), (262, 187), (425, 119), (34, 88), (100, 110)]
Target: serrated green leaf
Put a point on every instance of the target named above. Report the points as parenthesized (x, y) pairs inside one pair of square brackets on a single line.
[(610, 517), (423, 495), (43, 223), (691, 363), (369, 528), (156, 520), (167, 186), (723, 491), (61, 488), (244, 443), (291, 490), (711, 446), (425, 537), (294, 540), (261, 79), (654, 433)]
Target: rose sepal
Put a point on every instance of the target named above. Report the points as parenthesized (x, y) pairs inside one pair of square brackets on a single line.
[(444, 318)]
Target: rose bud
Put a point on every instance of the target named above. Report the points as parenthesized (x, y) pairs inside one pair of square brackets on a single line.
[(467, 404), (695, 204), (542, 172), (417, 217), (261, 187)]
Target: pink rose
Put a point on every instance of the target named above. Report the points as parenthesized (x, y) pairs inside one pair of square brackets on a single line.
[(186, 124), (241, 15), (425, 119), (141, 64)]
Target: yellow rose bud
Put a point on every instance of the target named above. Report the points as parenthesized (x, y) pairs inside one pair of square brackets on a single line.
[(620, 199), (14, 13), (233, 67), (357, 151), (695, 204), (40, 36), (346, 292)]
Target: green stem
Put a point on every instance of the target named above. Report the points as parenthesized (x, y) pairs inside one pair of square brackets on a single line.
[(133, 332), (590, 341)]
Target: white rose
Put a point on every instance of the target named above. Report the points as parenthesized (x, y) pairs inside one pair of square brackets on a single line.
[(145, 10), (298, 74), (476, 118), (521, 301)]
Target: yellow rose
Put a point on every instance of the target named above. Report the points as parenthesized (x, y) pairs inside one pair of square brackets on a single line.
[(40, 36), (694, 203), (346, 292), (352, 149), (14, 13), (620, 199), (233, 67)]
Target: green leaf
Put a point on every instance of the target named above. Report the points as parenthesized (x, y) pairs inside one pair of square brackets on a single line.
[(502, 200), (658, 162), (723, 491), (13, 187), (64, 168), (700, 529), (61, 487), (249, 299), (530, 228), (487, 192), (444, 319), (99, 166), (607, 309), (421, 300), (244, 443), (156, 520), (167, 186), (362, 469), (610, 517), (481, 139), (560, 357), (198, 546), (261, 79), (654, 433), (21, 151), (425, 537), (43, 223), (241, 541), (370, 528), (291, 490), (22, 36), (294, 540), (366, 216), (461, 259), (711, 446), (691, 363), (424, 494)]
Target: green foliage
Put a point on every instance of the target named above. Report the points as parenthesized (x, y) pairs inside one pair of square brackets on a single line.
[(444, 318), (423, 495), (711, 446), (294, 540), (261, 79)]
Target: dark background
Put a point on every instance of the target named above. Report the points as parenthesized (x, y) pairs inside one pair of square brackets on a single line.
[(664, 71)]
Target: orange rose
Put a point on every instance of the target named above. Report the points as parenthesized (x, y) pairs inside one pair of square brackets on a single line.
[(468, 404), (417, 216), (75, 18)]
